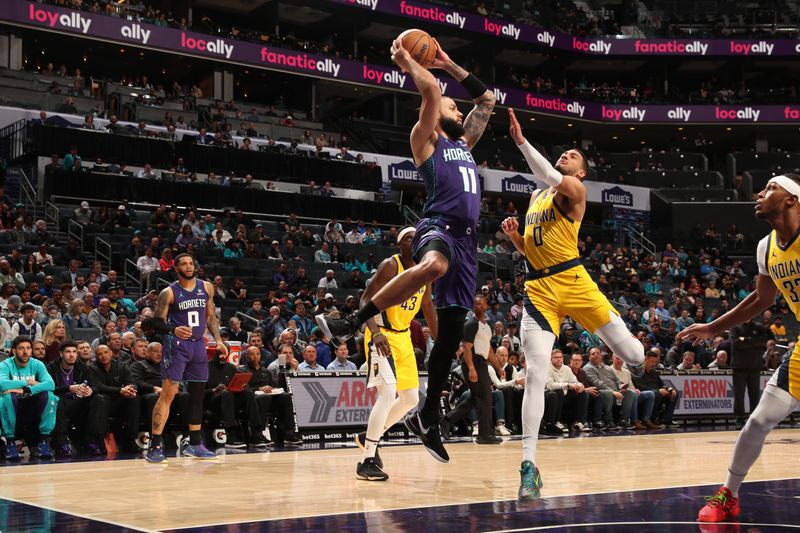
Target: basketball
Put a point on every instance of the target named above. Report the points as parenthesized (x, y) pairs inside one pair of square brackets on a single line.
[(420, 45)]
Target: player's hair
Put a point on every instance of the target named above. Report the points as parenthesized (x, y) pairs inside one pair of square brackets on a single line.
[(793, 177), (67, 344), (21, 339), (585, 164), (181, 256)]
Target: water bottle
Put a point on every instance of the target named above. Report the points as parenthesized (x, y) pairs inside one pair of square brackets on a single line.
[(78, 394)]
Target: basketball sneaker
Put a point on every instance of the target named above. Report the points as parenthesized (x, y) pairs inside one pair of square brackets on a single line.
[(198, 451), (361, 441), (155, 454), (337, 328), (12, 452), (370, 471), (430, 437), (530, 482), (720, 507), (43, 450)]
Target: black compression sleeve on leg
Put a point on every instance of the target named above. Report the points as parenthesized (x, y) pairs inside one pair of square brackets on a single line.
[(474, 86), (197, 390), (158, 325), (451, 330)]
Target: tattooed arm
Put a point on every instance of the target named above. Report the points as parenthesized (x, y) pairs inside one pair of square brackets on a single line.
[(212, 322), (478, 118)]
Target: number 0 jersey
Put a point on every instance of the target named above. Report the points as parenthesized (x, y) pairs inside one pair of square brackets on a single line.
[(551, 237), (188, 307), (399, 317)]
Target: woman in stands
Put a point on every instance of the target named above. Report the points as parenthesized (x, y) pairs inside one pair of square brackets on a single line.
[(54, 334), (76, 317)]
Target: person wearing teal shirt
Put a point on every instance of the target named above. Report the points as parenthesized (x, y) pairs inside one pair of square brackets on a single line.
[(26, 393)]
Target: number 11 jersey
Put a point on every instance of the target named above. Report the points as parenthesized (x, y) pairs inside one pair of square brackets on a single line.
[(452, 182)]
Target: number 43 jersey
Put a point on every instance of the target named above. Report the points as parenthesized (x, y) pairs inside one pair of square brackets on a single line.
[(782, 264), (399, 317), (188, 308), (551, 237)]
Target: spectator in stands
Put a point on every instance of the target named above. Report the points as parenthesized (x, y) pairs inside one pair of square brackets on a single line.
[(235, 331), (119, 219), (354, 236), (31, 404), (570, 393), (84, 351), (328, 282), (55, 333), (688, 362), (102, 314), (684, 321), (166, 263), (27, 325), (289, 252), (112, 379), (68, 107), (220, 401), (304, 322), (10, 278), (146, 376), (720, 361), (146, 265), (341, 362), (275, 252), (322, 255), (355, 281), (282, 274), (78, 404), (666, 397), (603, 378), (778, 330), (237, 291), (275, 324), (256, 311), (309, 363)]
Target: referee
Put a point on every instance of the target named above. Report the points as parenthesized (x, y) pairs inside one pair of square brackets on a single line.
[(478, 353)]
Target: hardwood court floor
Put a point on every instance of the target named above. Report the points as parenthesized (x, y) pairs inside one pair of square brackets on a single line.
[(255, 487)]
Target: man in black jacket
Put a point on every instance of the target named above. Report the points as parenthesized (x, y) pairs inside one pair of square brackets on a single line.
[(146, 375), (79, 402), (262, 384), (220, 400), (651, 380), (113, 380), (747, 344)]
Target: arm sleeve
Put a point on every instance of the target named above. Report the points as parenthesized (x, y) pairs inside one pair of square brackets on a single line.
[(7, 382), (540, 166), (761, 256), (470, 331), (46, 382)]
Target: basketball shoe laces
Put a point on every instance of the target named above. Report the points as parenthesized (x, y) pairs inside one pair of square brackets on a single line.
[(721, 500)]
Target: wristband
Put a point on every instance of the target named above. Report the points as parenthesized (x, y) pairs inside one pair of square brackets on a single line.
[(474, 87)]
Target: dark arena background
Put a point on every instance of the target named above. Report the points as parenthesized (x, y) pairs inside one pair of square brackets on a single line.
[(269, 139)]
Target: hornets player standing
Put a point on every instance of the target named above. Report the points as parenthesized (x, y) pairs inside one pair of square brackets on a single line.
[(556, 285), (391, 363), (778, 258)]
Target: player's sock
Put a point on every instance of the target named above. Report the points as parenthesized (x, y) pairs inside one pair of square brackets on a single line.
[(775, 405), (195, 437), (377, 417), (370, 447), (406, 400), (537, 345), (368, 311)]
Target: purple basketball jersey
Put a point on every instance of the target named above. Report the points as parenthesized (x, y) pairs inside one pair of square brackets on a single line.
[(188, 308), (451, 178)]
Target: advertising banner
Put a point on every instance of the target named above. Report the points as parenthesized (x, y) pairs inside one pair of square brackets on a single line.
[(335, 399), (706, 394), (548, 39), (125, 32)]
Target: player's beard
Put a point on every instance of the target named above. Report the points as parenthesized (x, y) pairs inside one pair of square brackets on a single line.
[(451, 128), (184, 276)]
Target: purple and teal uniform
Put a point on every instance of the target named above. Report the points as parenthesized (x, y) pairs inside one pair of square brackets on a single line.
[(186, 360), (451, 216)]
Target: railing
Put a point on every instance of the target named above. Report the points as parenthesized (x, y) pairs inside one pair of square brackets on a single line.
[(27, 192), (240, 315), (102, 250), (13, 140), (637, 239), (75, 231), (127, 267), (409, 216), (53, 215), (490, 260)]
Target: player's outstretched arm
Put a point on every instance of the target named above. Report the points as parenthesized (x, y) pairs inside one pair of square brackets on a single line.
[(423, 132), (569, 186), (753, 304), (484, 99)]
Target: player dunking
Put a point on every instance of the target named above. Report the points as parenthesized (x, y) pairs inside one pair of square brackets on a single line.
[(445, 246), (556, 285), (777, 256), (391, 363), (184, 310)]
